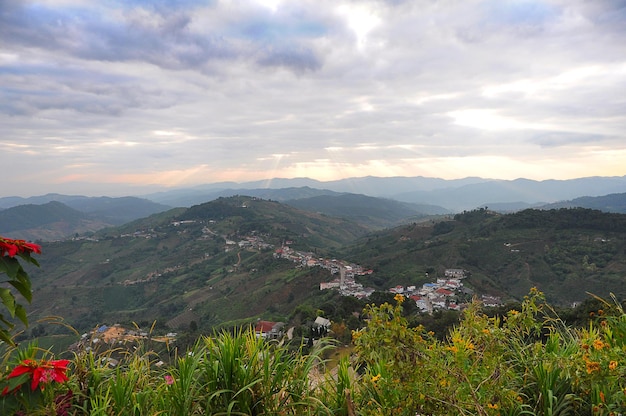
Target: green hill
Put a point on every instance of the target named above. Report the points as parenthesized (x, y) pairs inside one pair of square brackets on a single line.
[(564, 253), (607, 203), (211, 264), (370, 212), (50, 221)]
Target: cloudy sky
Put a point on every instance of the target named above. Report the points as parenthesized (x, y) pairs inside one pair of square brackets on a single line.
[(113, 97)]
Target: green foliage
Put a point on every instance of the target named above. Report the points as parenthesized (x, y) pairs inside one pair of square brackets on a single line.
[(524, 361)]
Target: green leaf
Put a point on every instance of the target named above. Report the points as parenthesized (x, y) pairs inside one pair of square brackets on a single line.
[(20, 312), (4, 336), (10, 266), (8, 300), (23, 288)]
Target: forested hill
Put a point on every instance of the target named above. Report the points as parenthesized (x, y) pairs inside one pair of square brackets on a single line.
[(211, 264), (565, 253)]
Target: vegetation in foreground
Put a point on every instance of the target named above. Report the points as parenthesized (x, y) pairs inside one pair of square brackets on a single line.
[(525, 363)]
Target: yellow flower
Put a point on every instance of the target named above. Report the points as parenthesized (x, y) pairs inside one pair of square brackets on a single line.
[(399, 298), (486, 331), (592, 366), (613, 365), (452, 348), (469, 346), (493, 406), (375, 378), (513, 312), (598, 344)]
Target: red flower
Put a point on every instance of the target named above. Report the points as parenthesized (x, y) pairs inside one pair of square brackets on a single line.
[(42, 371), (12, 247)]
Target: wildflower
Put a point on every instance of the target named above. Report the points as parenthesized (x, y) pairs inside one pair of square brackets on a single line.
[(169, 380), (602, 397), (612, 365), (585, 347), (12, 247), (469, 346), (42, 371), (600, 312), (513, 312), (493, 406), (598, 344), (399, 298), (375, 378), (452, 348), (592, 366), (486, 331)]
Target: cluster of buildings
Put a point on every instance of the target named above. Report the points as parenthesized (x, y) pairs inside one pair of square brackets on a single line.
[(345, 272), (249, 242), (443, 293)]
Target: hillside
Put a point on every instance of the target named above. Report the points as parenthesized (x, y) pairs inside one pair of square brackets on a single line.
[(607, 203), (373, 213), (212, 264), (53, 216), (47, 222), (564, 253)]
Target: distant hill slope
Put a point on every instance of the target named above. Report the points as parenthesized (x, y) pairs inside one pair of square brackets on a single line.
[(565, 253), (370, 212), (187, 198), (50, 221), (527, 191), (55, 216), (607, 203), (114, 210)]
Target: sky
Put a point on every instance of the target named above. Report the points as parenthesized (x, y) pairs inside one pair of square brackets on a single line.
[(122, 97)]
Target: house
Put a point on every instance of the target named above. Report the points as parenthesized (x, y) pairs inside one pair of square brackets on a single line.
[(455, 273), (269, 329), (397, 289), (444, 292), (491, 301), (322, 322)]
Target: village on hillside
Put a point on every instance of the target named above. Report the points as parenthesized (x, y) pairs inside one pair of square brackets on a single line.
[(440, 294)]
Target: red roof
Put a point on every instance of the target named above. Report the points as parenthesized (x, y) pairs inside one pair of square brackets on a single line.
[(444, 292), (264, 326)]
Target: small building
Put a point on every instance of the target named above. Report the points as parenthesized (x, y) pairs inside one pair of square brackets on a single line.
[(269, 329)]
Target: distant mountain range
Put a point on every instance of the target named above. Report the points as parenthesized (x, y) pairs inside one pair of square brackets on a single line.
[(453, 195), (369, 201)]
